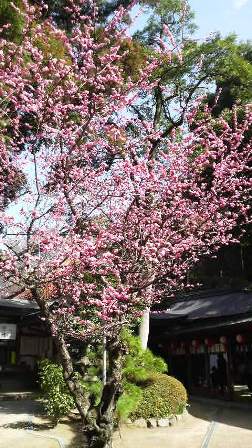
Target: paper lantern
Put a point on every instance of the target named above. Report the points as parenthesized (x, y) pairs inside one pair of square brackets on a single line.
[(240, 339), (209, 342), (195, 343)]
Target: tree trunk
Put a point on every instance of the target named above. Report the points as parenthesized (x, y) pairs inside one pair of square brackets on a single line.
[(80, 398), (97, 422), (75, 388), (101, 435)]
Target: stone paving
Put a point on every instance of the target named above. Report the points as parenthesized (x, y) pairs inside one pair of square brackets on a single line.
[(207, 426)]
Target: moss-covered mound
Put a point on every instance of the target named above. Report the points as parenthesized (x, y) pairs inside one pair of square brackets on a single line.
[(162, 396)]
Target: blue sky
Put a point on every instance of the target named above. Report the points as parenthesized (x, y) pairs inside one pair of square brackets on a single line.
[(223, 15), (226, 16)]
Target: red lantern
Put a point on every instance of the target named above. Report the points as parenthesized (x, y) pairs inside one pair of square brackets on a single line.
[(209, 342), (240, 339), (195, 343)]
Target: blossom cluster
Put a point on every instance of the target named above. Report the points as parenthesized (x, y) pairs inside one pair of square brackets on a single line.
[(110, 206)]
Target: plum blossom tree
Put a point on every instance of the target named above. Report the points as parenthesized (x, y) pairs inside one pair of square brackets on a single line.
[(114, 210)]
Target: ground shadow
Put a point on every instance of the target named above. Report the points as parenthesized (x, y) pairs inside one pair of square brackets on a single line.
[(28, 415), (29, 426), (228, 413), (22, 406), (78, 440)]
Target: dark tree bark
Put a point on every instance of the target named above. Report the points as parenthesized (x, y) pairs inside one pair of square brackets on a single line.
[(101, 434), (81, 400)]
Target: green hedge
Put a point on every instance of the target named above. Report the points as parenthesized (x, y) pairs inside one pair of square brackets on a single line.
[(162, 395), (57, 399)]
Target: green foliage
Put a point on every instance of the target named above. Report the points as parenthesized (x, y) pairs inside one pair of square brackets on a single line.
[(162, 395), (51, 46), (170, 12), (8, 15), (148, 392), (138, 366), (134, 59), (128, 402), (58, 401), (232, 75), (145, 387), (93, 389), (57, 398)]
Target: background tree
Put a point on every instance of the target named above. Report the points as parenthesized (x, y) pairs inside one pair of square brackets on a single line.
[(217, 66)]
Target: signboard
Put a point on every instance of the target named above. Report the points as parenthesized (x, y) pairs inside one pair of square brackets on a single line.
[(8, 331)]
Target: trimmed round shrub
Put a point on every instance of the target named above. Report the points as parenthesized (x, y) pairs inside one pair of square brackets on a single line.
[(162, 396)]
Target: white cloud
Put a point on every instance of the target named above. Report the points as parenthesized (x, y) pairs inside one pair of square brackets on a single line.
[(238, 4)]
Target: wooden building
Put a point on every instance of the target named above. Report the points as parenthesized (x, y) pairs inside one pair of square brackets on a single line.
[(24, 340), (206, 339)]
